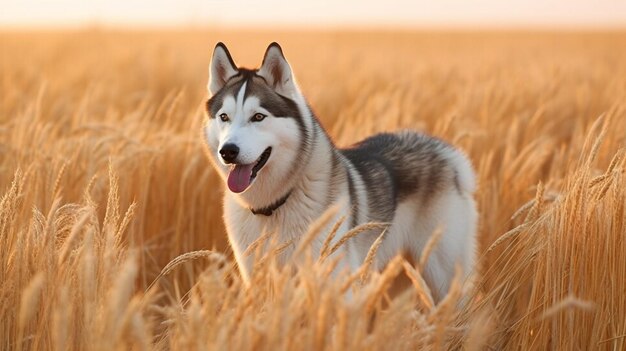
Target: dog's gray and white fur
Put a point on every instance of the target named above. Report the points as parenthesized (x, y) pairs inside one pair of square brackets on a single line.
[(284, 171)]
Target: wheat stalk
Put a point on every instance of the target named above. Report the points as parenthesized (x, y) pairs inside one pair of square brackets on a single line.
[(354, 232), (429, 247), (188, 256), (29, 304), (315, 228), (331, 236)]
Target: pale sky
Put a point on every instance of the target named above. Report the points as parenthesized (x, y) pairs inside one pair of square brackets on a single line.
[(324, 13)]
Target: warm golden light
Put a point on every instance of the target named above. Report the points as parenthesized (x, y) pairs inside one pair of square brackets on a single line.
[(112, 222), (269, 13)]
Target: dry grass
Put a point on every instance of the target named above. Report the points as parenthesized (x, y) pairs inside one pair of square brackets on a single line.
[(105, 181)]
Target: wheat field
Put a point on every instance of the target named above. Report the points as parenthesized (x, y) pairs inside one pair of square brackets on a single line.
[(111, 235)]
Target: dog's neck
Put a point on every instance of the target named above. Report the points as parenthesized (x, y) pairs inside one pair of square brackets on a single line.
[(306, 187), (311, 186), (269, 210)]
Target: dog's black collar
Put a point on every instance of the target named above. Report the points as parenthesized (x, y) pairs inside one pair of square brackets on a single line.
[(267, 211)]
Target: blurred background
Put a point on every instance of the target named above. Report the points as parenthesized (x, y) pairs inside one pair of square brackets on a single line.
[(322, 13)]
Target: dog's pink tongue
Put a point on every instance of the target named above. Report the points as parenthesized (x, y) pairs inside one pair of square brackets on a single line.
[(239, 178)]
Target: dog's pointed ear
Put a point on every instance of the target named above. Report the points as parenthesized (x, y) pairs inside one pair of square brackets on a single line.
[(276, 71), (222, 68)]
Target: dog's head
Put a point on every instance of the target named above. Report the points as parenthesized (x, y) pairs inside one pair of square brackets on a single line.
[(255, 125)]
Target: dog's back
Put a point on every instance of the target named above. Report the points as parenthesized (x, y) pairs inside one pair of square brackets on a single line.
[(407, 165), (419, 184)]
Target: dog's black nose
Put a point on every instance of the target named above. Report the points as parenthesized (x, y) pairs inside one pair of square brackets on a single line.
[(229, 152)]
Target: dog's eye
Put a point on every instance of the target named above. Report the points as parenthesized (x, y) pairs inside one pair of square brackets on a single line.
[(224, 117), (258, 117)]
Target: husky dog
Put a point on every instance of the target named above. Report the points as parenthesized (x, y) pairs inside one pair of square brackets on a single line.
[(283, 171)]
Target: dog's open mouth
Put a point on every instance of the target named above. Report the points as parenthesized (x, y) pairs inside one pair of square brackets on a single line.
[(241, 176)]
